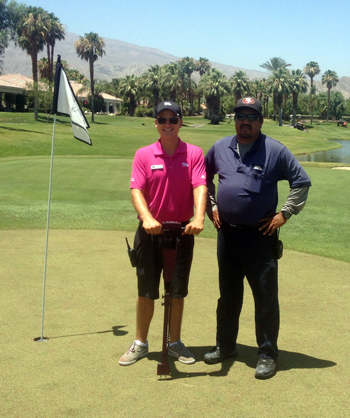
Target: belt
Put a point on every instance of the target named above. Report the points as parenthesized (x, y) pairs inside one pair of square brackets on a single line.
[(255, 226)]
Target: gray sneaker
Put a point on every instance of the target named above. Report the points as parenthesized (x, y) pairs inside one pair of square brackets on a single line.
[(134, 353), (181, 353), (265, 368)]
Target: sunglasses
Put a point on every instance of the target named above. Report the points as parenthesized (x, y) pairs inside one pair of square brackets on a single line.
[(243, 116), (173, 120)]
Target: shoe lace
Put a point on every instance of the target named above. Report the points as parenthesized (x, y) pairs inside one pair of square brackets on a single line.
[(132, 348), (265, 361)]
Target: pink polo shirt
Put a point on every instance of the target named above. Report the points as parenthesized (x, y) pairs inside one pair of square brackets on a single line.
[(167, 182)]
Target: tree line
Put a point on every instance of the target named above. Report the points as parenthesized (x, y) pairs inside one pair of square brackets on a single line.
[(282, 92)]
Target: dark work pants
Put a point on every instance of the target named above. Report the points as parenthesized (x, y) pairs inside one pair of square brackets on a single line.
[(247, 253)]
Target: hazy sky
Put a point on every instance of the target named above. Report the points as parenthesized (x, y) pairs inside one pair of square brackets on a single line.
[(240, 33)]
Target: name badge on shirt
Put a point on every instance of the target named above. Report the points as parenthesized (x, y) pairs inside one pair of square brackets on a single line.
[(157, 167)]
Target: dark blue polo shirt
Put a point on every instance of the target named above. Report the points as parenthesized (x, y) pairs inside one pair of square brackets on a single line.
[(247, 190)]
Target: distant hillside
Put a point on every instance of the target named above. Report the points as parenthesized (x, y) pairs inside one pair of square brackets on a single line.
[(122, 59)]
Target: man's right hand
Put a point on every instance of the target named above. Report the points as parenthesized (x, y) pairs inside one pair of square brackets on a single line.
[(152, 226), (215, 218)]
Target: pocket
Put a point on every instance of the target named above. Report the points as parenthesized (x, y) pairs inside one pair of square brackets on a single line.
[(254, 180)]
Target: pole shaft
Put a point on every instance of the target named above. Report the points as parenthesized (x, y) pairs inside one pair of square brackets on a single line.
[(47, 228)]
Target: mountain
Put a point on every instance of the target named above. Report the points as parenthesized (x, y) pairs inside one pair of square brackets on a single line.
[(120, 60), (123, 58)]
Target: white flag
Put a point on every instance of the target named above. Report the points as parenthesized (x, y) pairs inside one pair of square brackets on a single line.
[(65, 103)]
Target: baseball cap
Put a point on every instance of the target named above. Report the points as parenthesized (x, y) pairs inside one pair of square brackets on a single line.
[(250, 103), (169, 105)]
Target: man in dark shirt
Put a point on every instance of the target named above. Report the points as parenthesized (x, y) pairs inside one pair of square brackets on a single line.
[(249, 165)]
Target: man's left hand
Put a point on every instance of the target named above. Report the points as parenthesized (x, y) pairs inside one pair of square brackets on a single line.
[(270, 224)]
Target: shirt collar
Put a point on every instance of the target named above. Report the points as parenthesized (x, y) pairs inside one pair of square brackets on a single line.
[(181, 148), (256, 146)]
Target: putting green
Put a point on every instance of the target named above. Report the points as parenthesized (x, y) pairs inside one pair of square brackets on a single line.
[(90, 322)]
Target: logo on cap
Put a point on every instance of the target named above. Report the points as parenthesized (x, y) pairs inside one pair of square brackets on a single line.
[(248, 100), (167, 104)]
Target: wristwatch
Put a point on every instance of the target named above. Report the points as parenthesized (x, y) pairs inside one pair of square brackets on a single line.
[(285, 214)]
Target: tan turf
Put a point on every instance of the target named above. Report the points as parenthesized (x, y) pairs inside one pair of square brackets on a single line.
[(90, 320)]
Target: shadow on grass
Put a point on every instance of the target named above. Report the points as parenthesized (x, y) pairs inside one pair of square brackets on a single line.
[(22, 130), (116, 331), (288, 360)]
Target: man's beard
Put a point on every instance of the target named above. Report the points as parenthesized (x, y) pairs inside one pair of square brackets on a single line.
[(246, 133)]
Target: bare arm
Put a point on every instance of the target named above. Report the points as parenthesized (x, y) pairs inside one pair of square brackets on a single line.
[(151, 225), (200, 202)]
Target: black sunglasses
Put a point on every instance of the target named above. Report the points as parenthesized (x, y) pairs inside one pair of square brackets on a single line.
[(242, 116), (173, 120)]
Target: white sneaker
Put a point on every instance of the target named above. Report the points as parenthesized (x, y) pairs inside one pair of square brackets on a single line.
[(179, 351), (134, 353)]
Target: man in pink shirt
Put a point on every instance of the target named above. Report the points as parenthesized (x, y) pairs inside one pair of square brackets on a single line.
[(168, 180)]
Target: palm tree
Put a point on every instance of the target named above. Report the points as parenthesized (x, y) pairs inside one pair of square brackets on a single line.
[(129, 89), (43, 67), (172, 81), (279, 84), (330, 78), (188, 66), (273, 65), (55, 31), (31, 32), (311, 69), (152, 84), (89, 48), (298, 85), (240, 84), (214, 85), (202, 66)]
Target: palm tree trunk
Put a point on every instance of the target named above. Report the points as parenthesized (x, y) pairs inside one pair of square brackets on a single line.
[(92, 89), (51, 63), (155, 102), (49, 60), (274, 106), (280, 115), (312, 106), (329, 99), (34, 57), (295, 105)]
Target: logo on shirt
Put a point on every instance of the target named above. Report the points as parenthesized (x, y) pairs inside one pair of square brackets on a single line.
[(132, 179), (185, 165), (203, 176), (157, 167)]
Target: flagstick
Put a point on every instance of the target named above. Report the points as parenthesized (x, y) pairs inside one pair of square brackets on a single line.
[(41, 338)]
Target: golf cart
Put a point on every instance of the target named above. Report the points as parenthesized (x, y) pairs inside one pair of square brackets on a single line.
[(342, 122), (300, 126)]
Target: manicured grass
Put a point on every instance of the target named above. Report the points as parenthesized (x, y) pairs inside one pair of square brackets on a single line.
[(91, 288), (90, 323), (91, 184), (122, 136)]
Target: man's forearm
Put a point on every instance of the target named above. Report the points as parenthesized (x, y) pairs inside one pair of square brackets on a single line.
[(151, 225), (200, 202), (140, 204), (211, 201), (296, 200)]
